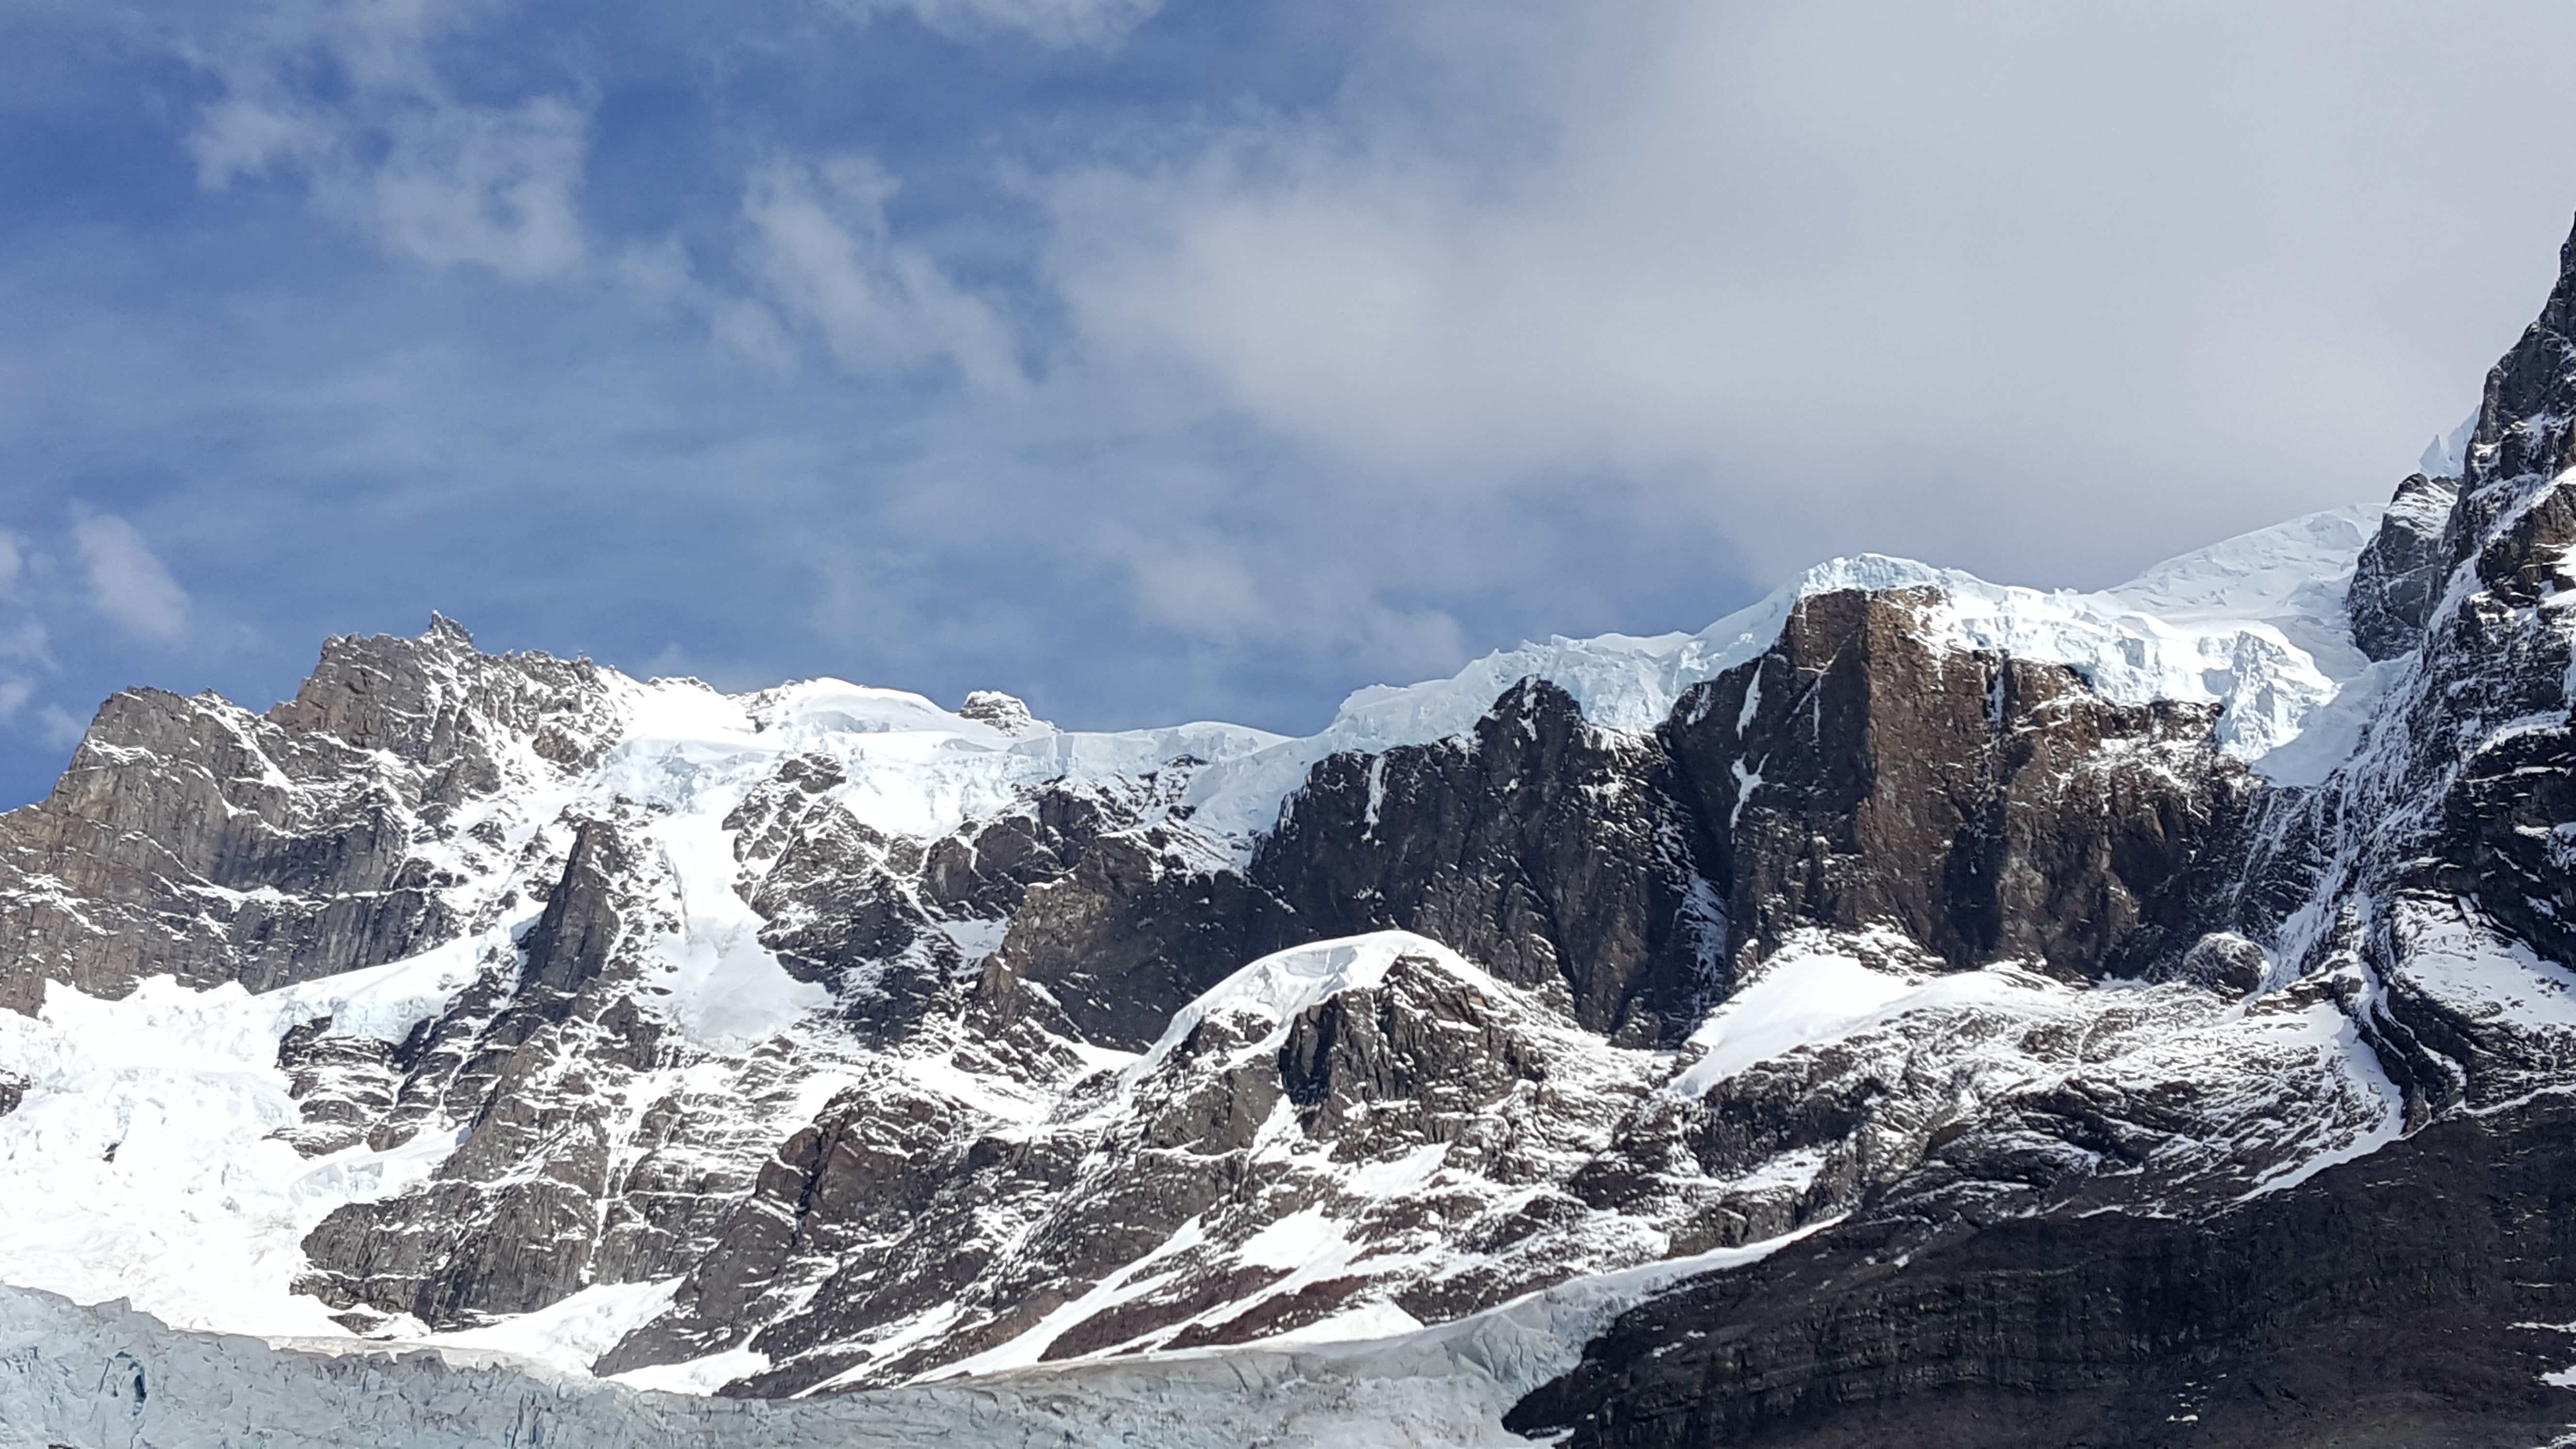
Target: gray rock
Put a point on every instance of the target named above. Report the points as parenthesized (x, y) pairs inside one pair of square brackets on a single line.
[(2225, 963), (1003, 712), (194, 839), (1997, 1293), (2399, 577)]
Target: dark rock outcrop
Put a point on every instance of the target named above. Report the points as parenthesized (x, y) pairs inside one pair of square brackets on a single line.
[(2392, 1301), (1987, 807), (2399, 577), (1555, 853), (2000, 1294)]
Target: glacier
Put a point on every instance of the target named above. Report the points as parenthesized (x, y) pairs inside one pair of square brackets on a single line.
[(143, 1176)]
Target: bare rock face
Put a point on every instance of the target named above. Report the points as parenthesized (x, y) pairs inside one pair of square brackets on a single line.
[(2393, 1301), (1988, 807), (2108, 1086), (1142, 923), (842, 904), (1556, 853), (193, 839), (599, 1145), (1463, 1090), (1999, 1292), (2399, 576)]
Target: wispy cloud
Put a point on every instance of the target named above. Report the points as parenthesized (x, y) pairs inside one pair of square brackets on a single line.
[(348, 97), (127, 582), (57, 728), (1812, 279), (824, 254)]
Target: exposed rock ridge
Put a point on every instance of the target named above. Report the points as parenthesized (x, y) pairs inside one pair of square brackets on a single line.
[(2399, 577), (194, 839), (1469, 1127), (859, 1041), (2424, 888)]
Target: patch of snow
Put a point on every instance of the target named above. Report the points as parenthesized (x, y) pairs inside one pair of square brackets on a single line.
[(1132, 1281), (386, 1002), (2254, 624), (1373, 1319), (1746, 782), (2448, 456), (1292, 1241), (141, 1164), (2480, 975), (976, 939), (1999, 1030), (1808, 995), (697, 1376), (572, 1333), (727, 989), (2338, 1040), (2332, 731), (1400, 1176), (1277, 987)]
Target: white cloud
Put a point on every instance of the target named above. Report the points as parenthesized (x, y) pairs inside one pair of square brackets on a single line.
[(126, 581), (822, 248), (1989, 283), (483, 185), (391, 150)]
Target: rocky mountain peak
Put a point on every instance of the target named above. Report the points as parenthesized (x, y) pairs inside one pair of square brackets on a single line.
[(2110, 994), (437, 700), (1004, 712)]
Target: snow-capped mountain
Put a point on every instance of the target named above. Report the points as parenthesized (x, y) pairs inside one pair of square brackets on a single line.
[(2144, 1009)]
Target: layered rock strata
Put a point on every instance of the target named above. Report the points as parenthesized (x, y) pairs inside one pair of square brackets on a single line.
[(2092, 993)]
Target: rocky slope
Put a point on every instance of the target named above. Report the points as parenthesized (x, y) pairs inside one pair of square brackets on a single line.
[(2406, 1297), (2101, 985)]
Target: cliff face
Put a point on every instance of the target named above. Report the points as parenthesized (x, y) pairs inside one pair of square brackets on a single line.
[(193, 839), (1074, 1073), (2103, 985), (2395, 1299), (2383, 1302)]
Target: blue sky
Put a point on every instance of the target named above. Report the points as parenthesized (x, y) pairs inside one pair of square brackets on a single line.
[(1191, 359)]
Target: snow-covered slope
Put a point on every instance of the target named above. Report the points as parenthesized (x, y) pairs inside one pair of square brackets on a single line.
[(2254, 624), (824, 1039), (2092, 984), (165, 1118), (112, 1374)]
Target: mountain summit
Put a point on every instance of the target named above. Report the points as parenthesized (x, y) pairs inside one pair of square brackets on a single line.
[(2146, 1012)]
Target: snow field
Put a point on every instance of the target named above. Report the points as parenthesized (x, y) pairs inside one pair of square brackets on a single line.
[(142, 1164), (111, 1374)]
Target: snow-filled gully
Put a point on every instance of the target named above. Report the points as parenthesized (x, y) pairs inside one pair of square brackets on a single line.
[(142, 1174)]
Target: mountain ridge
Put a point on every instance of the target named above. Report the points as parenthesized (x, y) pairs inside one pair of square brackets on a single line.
[(823, 1041)]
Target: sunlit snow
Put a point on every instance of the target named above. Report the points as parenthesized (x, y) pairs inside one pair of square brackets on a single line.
[(142, 1164)]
